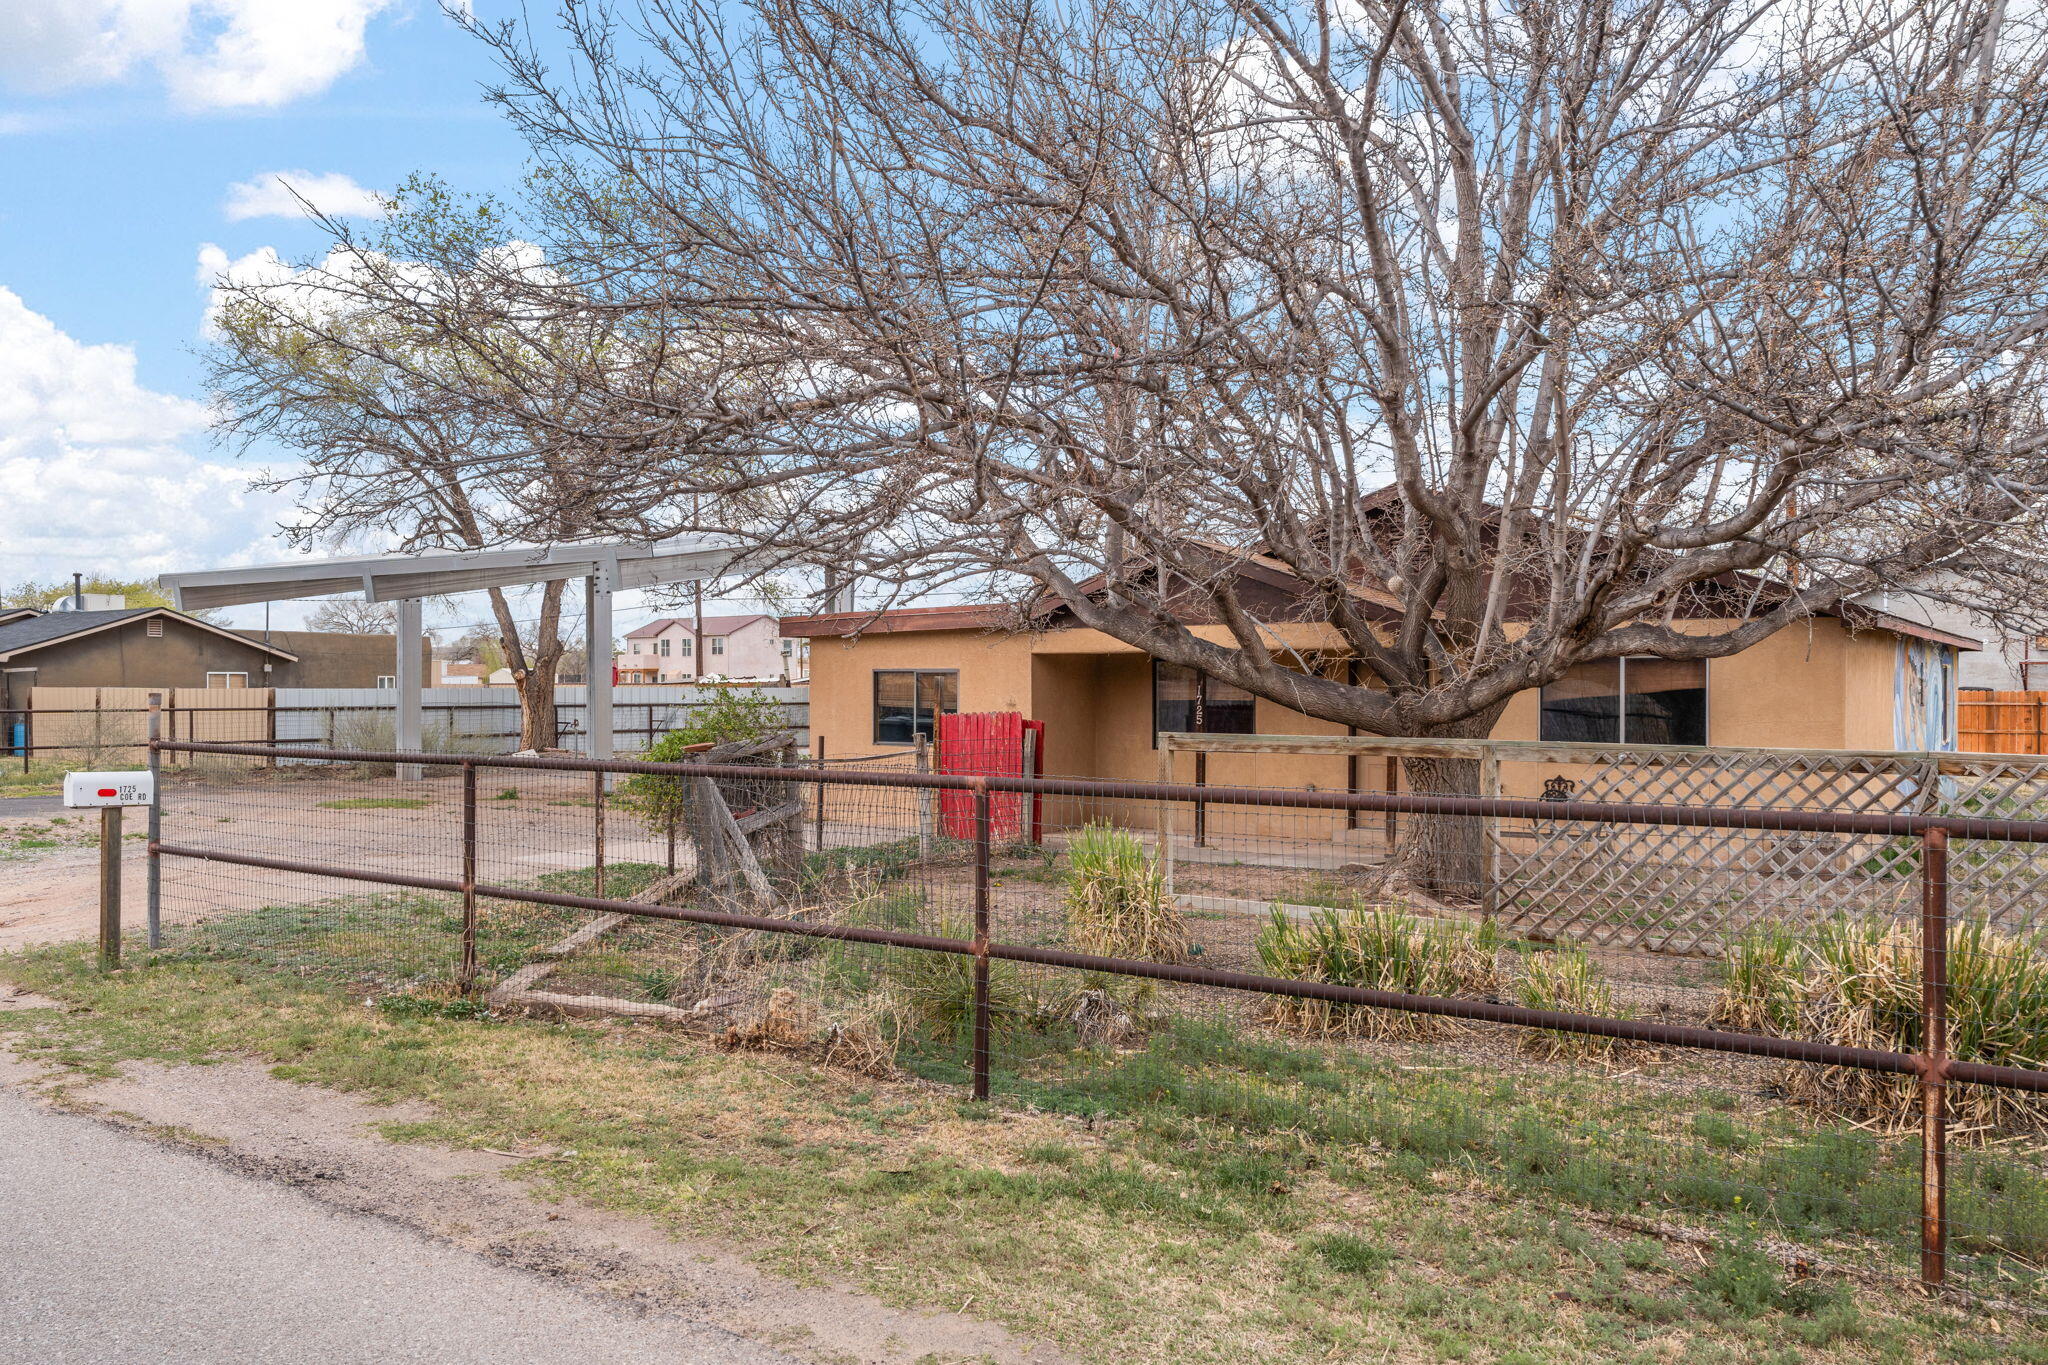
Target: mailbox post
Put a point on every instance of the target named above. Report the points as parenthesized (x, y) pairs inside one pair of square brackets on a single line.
[(109, 793)]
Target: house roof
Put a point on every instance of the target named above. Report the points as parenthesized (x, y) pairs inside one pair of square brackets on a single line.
[(8, 614), (965, 616), (713, 625), (1859, 617), (36, 632)]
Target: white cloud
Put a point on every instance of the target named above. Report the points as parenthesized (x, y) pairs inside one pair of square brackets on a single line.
[(210, 54), (278, 194), (98, 472)]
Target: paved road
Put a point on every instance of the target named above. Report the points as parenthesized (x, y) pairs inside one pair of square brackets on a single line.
[(113, 1249), (31, 805)]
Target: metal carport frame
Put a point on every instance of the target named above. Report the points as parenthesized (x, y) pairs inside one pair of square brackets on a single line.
[(405, 579)]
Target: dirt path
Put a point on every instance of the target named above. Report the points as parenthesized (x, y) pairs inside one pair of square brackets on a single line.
[(53, 894), (324, 1146)]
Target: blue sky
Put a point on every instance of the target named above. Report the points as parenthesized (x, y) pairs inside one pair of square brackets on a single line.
[(125, 128)]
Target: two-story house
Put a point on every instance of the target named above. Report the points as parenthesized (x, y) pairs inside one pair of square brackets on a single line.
[(671, 649)]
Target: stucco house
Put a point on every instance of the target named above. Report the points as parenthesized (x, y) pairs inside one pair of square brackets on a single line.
[(671, 649), (1857, 680)]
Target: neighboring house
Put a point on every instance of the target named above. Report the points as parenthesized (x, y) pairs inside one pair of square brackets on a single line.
[(158, 647), (2010, 661), (461, 673), (750, 646), (1857, 680)]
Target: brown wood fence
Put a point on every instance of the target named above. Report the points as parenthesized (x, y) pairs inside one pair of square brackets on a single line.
[(2002, 722), (109, 726)]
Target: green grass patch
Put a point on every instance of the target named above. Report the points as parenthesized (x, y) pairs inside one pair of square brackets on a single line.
[(1256, 1197)]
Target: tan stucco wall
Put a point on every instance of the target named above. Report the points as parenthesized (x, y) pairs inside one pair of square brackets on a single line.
[(1817, 686), (995, 675)]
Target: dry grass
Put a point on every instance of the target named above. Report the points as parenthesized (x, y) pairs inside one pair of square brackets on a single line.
[(1856, 982), (1566, 980), (1116, 901), (1381, 948), (790, 1024)]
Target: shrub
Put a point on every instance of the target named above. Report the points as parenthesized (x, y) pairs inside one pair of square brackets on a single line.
[(1116, 899), (378, 730), (934, 992), (1856, 982), (732, 714), (1382, 948), (1760, 982), (1566, 980)]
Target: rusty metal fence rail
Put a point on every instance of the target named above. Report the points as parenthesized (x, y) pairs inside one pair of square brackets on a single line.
[(960, 821)]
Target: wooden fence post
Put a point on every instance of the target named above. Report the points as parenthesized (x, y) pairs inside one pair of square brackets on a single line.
[(926, 799)]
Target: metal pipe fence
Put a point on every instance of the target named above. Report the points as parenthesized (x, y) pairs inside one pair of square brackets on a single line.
[(1294, 933)]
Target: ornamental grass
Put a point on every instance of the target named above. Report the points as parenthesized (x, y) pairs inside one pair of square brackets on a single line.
[(1856, 982), (1379, 948), (1116, 901)]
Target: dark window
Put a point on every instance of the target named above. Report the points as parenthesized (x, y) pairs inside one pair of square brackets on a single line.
[(909, 702), (1628, 701), (1187, 702)]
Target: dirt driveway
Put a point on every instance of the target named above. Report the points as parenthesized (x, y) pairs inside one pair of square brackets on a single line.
[(546, 823)]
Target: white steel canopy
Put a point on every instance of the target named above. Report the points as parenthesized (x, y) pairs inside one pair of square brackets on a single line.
[(398, 577), (605, 566)]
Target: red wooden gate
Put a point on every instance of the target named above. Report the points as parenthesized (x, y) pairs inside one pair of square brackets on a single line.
[(990, 744)]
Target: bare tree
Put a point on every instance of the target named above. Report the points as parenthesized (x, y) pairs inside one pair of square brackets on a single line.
[(1520, 337), (400, 436), (349, 616)]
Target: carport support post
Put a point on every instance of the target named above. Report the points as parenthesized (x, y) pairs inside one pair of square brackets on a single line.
[(110, 887), (597, 665), (409, 729), (154, 907)]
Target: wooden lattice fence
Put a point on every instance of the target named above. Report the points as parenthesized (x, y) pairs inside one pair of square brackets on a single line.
[(1686, 890)]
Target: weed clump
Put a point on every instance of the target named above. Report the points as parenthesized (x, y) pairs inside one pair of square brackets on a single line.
[(1856, 982), (933, 992), (1116, 901), (790, 1024), (1566, 980), (1383, 948)]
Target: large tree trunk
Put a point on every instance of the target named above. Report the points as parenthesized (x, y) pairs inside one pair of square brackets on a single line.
[(533, 669), (538, 724), (1446, 855)]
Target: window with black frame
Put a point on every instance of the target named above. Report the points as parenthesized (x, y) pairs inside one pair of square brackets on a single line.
[(1187, 702), (909, 702), (1628, 701)]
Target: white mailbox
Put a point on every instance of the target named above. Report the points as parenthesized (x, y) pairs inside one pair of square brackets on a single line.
[(109, 789)]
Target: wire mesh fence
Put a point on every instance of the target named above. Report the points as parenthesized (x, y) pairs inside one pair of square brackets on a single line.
[(1224, 967)]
